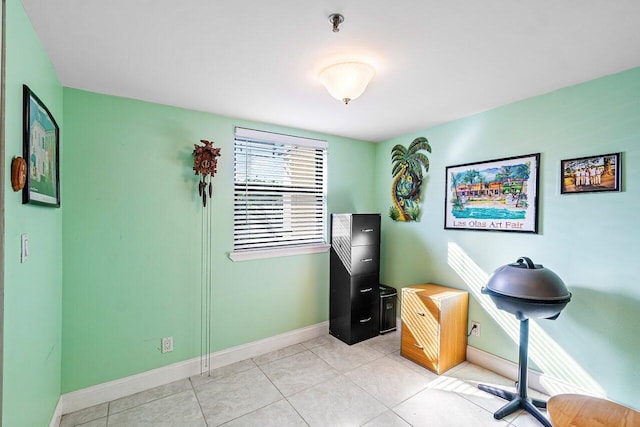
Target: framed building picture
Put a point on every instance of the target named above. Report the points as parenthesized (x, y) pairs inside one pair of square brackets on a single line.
[(41, 150), (494, 195), (590, 174)]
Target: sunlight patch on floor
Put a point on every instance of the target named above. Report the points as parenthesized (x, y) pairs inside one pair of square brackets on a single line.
[(457, 385)]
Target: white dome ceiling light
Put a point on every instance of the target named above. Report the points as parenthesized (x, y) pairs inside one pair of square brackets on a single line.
[(346, 81)]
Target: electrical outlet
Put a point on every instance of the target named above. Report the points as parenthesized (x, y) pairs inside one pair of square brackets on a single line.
[(167, 344), (475, 328)]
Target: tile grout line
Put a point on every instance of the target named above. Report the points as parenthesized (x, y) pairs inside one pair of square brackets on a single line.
[(206, 423), (370, 395), (243, 370), (343, 373), (313, 350), (146, 402), (279, 391), (340, 373), (382, 403)]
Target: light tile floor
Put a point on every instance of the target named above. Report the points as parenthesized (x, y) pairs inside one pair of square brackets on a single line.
[(322, 382)]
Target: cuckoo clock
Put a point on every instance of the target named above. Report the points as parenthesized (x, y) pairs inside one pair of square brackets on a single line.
[(204, 163)]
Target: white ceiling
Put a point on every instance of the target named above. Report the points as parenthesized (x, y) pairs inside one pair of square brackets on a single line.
[(254, 59)]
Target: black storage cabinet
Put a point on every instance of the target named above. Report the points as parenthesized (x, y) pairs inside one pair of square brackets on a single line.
[(354, 301), (388, 300)]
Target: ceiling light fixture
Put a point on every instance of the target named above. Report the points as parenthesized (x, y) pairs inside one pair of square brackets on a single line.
[(336, 19), (345, 81)]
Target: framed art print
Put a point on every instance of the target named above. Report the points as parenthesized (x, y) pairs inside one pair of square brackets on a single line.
[(41, 148), (494, 195), (590, 174)]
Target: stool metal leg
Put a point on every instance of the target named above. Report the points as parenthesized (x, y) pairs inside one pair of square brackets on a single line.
[(519, 399)]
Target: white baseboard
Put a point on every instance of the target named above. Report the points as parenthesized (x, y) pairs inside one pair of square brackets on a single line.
[(509, 369), (57, 415), (501, 366), (105, 392)]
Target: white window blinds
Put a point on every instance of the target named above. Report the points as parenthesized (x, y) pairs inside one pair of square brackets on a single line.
[(279, 190)]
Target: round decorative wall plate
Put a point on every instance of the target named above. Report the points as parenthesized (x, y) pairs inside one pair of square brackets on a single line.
[(18, 173)]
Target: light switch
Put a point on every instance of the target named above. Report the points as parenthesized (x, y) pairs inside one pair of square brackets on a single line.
[(24, 252)]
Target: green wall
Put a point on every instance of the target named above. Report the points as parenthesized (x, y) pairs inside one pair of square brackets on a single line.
[(131, 235), (132, 238), (33, 290), (590, 240)]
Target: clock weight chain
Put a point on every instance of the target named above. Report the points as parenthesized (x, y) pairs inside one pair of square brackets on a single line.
[(204, 164)]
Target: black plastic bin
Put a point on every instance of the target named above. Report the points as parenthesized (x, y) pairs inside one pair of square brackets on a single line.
[(388, 298)]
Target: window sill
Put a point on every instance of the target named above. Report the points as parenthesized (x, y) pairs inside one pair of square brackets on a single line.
[(276, 253)]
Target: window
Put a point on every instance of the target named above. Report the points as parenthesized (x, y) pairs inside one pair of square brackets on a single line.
[(279, 195)]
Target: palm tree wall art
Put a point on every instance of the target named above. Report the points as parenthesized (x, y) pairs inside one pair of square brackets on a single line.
[(408, 164)]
